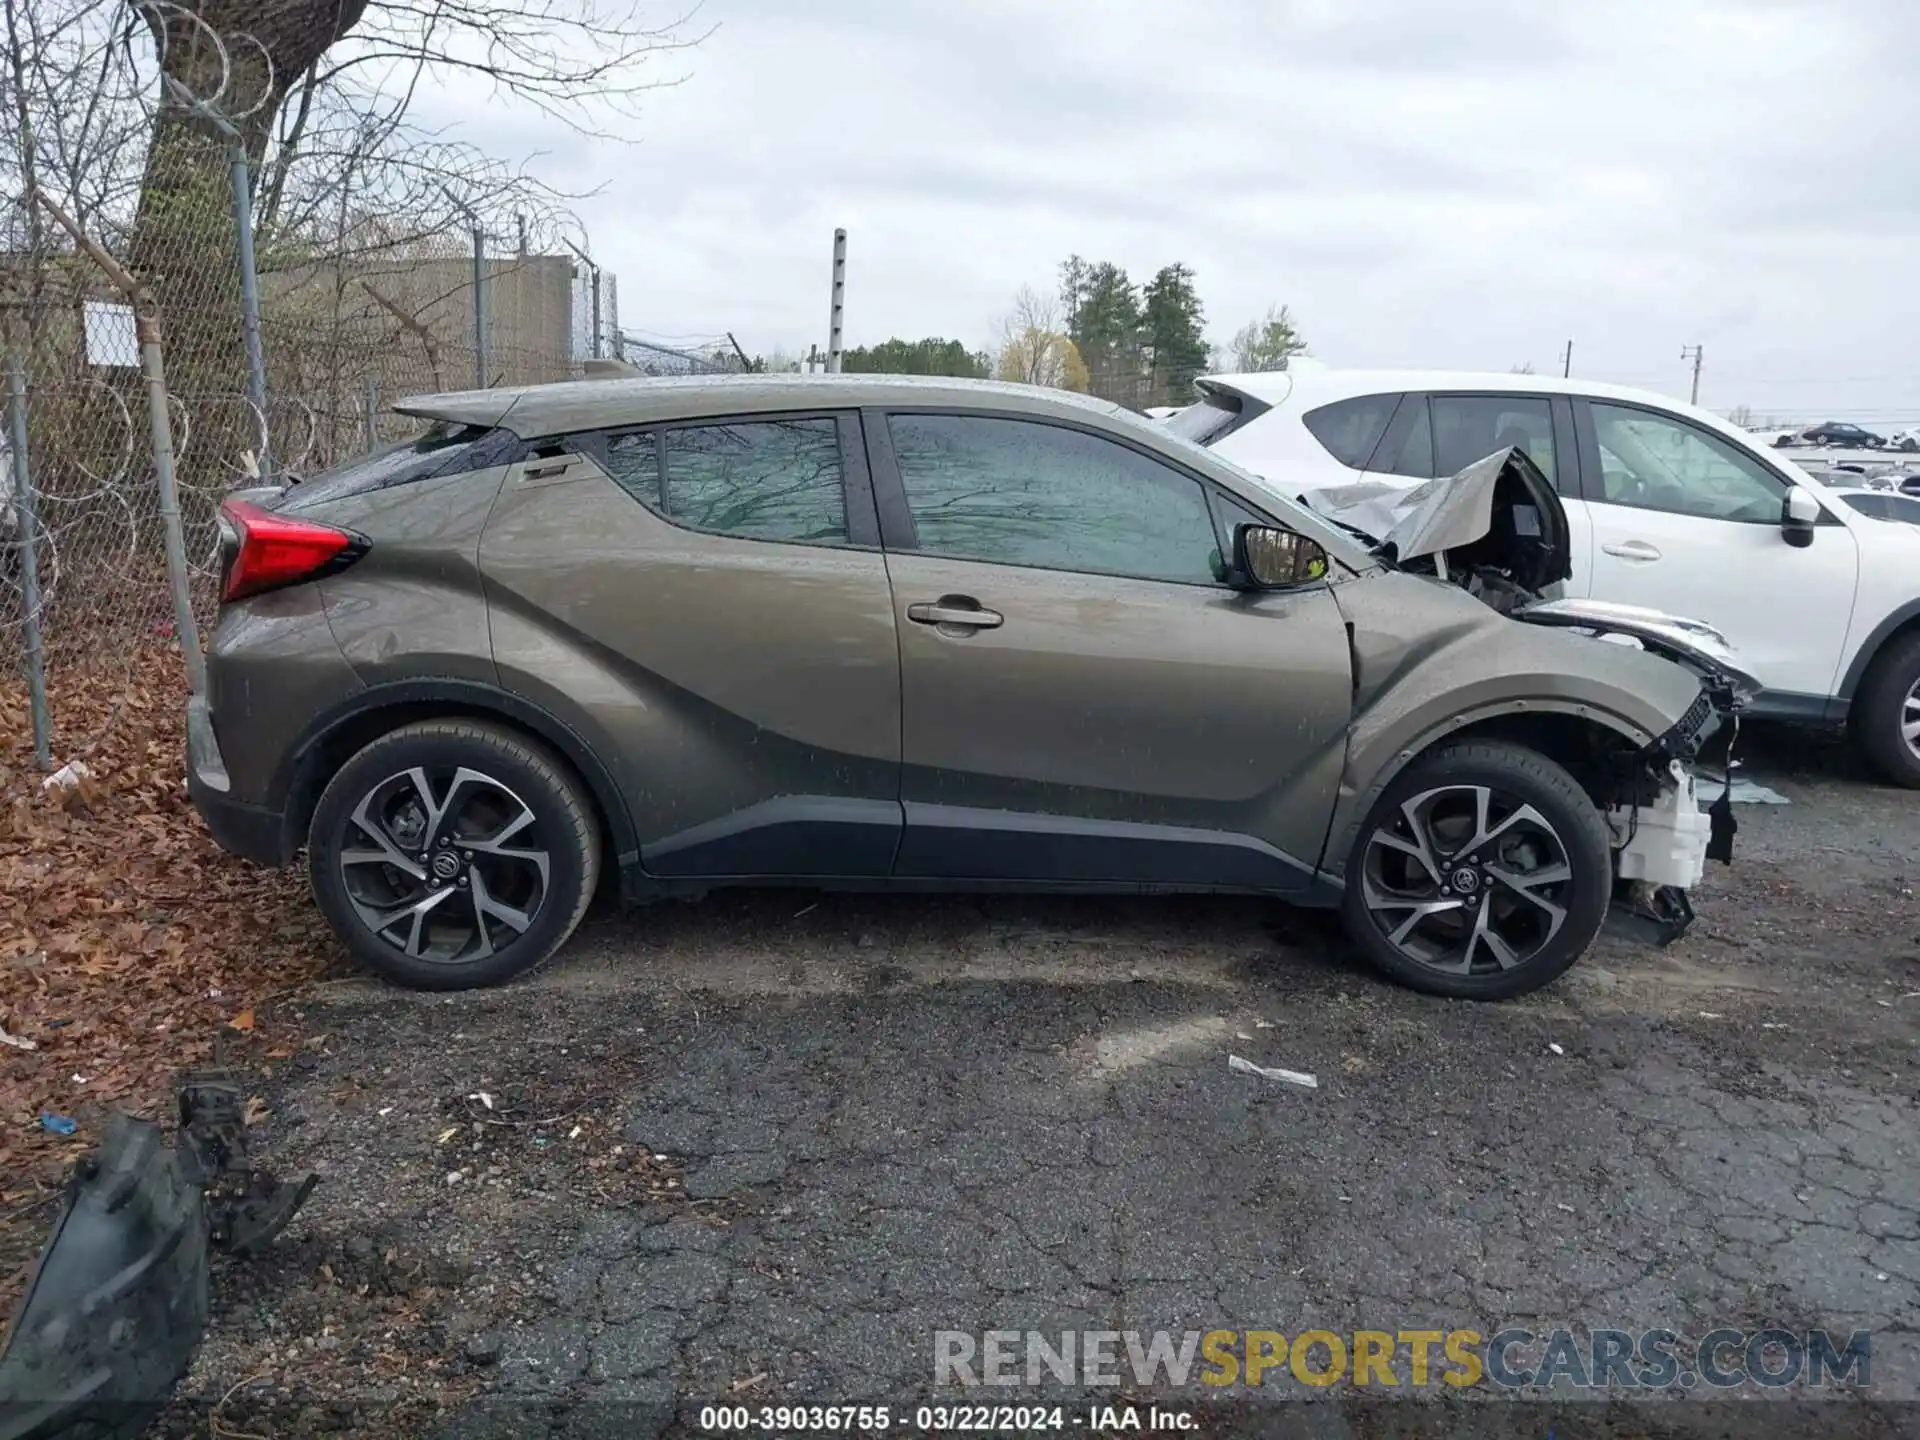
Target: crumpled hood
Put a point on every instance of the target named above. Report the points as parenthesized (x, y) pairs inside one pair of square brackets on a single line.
[(1692, 643), (1500, 510), (1417, 520)]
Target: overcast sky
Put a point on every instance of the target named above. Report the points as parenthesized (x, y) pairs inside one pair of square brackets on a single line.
[(1460, 184)]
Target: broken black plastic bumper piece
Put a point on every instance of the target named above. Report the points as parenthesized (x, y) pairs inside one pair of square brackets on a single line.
[(119, 1299)]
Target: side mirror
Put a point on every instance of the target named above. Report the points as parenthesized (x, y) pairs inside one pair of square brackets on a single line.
[(1268, 558), (1798, 514)]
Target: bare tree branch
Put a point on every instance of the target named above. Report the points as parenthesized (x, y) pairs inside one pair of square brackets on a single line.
[(413, 325)]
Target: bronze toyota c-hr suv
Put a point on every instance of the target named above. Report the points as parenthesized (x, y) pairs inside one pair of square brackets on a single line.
[(866, 632)]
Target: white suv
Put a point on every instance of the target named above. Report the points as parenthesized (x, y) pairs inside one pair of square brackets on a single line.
[(1669, 507)]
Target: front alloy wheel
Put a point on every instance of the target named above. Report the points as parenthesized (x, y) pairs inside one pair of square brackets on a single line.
[(1482, 871), (454, 853), (1465, 879)]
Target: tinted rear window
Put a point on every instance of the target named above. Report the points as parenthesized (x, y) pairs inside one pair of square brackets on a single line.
[(442, 449), (779, 479), (1350, 429), (759, 480)]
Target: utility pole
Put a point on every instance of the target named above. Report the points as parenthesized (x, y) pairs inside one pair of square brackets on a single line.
[(839, 301), (1694, 351), (479, 287), (1566, 361), (596, 312), (593, 296)]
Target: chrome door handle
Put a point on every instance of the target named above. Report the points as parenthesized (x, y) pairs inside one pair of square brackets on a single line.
[(952, 610), (1633, 550)]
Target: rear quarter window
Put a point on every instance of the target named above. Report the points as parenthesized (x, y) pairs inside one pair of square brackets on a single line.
[(442, 449), (779, 479), (1349, 430)]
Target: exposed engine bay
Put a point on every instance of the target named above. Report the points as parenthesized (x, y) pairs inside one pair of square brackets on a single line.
[(1498, 530)]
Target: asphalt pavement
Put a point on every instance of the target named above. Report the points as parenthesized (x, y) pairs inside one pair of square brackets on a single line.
[(767, 1150)]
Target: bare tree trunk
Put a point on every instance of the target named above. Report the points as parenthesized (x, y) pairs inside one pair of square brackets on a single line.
[(184, 245)]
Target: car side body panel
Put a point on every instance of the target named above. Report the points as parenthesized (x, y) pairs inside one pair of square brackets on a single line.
[(1157, 716), (1888, 598), (1429, 660), (271, 662), (414, 606), (745, 694)]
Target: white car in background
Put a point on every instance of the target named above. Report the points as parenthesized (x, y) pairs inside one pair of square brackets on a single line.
[(1670, 507)]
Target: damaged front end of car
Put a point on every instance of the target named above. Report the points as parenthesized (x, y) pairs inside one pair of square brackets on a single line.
[(1497, 529), (118, 1301)]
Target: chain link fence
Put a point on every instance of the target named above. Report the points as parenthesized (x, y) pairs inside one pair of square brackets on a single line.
[(290, 315), (85, 587)]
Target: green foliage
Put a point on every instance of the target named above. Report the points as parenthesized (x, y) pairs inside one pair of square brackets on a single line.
[(1175, 327), (932, 356), (1267, 343), (1146, 345), (1105, 323)]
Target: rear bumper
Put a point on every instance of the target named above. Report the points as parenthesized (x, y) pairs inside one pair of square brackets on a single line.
[(253, 832)]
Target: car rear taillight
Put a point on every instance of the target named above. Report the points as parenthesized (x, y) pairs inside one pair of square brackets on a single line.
[(267, 551)]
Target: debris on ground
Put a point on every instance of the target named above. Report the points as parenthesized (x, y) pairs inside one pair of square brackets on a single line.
[(57, 1124), (18, 1042), (1268, 1072), (73, 778), (1556, 1047), (118, 917), (1743, 792), (117, 1303)]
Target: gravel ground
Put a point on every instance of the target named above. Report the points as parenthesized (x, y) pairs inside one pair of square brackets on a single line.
[(760, 1149)]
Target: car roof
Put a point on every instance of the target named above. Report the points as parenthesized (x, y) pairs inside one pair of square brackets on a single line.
[(1320, 385), (533, 411)]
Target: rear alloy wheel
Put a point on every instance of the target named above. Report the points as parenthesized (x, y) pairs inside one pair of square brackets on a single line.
[(452, 854), (1885, 714), (1482, 872)]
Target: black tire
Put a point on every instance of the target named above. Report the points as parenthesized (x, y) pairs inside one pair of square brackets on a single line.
[(1513, 775), (1879, 710), (487, 879)]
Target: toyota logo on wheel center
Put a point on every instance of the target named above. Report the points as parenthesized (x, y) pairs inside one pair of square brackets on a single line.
[(445, 864)]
